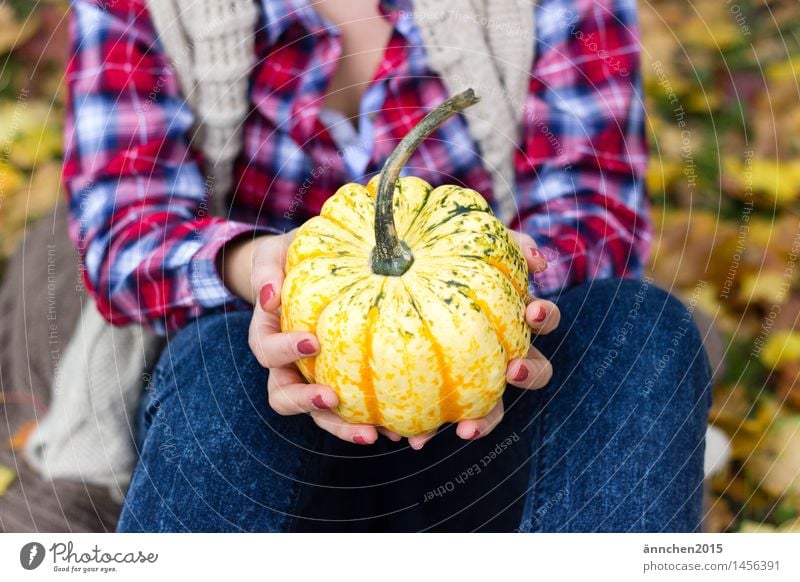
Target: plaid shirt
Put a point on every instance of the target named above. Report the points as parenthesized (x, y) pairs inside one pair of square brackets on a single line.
[(138, 199)]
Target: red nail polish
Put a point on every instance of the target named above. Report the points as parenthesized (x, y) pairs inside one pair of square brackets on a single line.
[(306, 348), (540, 315), (522, 374), (318, 402), (267, 292), (538, 256), (360, 440)]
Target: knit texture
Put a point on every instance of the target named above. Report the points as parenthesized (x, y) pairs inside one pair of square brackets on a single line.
[(87, 433), (484, 44), (211, 45)]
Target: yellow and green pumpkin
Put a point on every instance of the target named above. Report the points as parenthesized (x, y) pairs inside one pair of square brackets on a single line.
[(415, 330)]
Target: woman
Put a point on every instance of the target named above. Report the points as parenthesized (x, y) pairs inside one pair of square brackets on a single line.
[(231, 436)]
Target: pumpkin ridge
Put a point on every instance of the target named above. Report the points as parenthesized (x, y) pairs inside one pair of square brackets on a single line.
[(492, 263), (460, 211), (449, 409), (500, 267), (497, 327), (367, 383), (344, 228), (416, 216)]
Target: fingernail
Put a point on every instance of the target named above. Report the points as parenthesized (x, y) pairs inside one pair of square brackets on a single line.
[(306, 348), (360, 440), (540, 314), (320, 403), (267, 292), (418, 446), (477, 433), (522, 374)]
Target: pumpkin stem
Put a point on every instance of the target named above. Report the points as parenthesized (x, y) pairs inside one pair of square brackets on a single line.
[(391, 256)]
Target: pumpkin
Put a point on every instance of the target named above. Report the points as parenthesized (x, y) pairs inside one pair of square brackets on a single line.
[(416, 294)]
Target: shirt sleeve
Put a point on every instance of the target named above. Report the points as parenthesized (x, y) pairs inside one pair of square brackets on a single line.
[(580, 170), (138, 200)]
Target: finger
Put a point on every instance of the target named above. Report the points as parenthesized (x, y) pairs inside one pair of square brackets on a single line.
[(390, 434), (531, 373), (268, 271), (277, 350), (479, 427), (542, 316), (289, 394), (418, 441), (530, 250), (360, 434)]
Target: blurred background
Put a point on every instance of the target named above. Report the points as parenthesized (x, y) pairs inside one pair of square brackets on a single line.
[(723, 100)]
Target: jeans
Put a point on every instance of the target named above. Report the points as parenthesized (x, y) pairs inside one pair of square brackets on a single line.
[(614, 442)]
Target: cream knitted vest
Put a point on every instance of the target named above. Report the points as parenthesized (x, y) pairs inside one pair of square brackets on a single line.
[(484, 44)]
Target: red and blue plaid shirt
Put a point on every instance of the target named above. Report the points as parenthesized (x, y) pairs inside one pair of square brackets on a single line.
[(138, 197)]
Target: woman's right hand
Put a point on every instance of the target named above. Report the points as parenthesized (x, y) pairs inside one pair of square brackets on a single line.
[(254, 270)]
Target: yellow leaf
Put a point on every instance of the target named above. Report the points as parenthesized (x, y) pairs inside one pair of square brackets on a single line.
[(748, 526), (764, 287), (791, 526), (661, 174), (7, 477), (780, 348), (777, 180), (10, 181), (788, 70)]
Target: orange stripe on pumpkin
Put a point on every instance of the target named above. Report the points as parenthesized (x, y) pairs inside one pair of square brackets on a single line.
[(367, 383)]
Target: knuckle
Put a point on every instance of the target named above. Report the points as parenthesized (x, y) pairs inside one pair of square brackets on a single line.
[(277, 403)]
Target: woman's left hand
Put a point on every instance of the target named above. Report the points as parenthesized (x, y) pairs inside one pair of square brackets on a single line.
[(530, 373)]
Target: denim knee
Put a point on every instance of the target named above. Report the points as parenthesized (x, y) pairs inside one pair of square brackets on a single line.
[(212, 343), (668, 324), (641, 334)]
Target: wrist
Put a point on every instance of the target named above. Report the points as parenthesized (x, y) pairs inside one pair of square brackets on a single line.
[(235, 266)]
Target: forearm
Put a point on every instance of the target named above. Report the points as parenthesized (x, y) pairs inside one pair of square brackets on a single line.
[(134, 184), (580, 173)]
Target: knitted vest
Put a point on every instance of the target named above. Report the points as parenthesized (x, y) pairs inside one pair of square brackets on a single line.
[(484, 44)]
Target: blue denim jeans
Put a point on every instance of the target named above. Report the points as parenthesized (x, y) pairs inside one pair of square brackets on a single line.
[(615, 442)]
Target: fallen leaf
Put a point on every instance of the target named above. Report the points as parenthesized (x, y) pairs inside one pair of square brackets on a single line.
[(792, 526), (775, 465), (782, 347), (13, 32), (7, 477), (718, 517), (748, 526), (19, 438)]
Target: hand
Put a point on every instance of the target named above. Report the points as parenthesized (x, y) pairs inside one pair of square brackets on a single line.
[(532, 372), (253, 269)]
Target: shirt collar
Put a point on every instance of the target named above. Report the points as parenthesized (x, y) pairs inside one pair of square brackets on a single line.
[(281, 14)]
